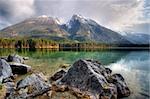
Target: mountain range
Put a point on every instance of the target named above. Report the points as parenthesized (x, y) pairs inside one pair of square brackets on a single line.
[(138, 38), (78, 28)]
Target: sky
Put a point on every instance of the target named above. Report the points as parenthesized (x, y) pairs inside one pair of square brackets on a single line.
[(119, 15)]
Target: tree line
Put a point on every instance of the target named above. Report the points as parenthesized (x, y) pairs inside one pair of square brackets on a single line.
[(46, 43), (27, 43), (34, 43)]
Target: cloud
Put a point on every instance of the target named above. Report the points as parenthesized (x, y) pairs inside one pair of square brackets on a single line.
[(12, 11), (142, 27), (119, 15)]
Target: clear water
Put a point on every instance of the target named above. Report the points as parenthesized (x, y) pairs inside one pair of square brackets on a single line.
[(133, 65)]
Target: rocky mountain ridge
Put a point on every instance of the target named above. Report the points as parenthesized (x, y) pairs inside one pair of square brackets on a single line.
[(77, 28)]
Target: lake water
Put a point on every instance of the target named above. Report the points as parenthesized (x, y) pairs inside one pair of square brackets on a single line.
[(133, 65)]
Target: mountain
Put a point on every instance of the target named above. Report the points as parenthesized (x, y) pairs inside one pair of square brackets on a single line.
[(42, 26), (83, 29), (138, 38), (77, 28)]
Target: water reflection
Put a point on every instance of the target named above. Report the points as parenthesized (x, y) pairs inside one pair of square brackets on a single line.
[(104, 56), (133, 65), (135, 68)]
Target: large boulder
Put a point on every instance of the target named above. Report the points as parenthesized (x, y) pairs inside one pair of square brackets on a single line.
[(87, 78), (15, 58), (30, 87), (121, 85), (5, 70), (18, 68)]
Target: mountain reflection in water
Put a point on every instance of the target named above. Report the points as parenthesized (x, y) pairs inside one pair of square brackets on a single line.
[(135, 69)]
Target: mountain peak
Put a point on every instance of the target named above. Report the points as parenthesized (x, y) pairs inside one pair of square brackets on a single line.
[(76, 19), (78, 28), (44, 19), (82, 19), (77, 16), (81, 28), (43, 16)]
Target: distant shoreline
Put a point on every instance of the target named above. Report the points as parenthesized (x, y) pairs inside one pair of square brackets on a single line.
[(86, 49), (67, 45)]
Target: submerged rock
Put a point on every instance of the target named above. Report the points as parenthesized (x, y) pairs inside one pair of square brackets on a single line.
[(58, 75), (15, 58), (30, 87), (18, 68), (3, 57), (86, 78), (64, 66), (5, 70), (26, 58)]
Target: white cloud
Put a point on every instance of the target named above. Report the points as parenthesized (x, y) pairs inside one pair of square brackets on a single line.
[(13, 11), (22, 8), (119, 15)]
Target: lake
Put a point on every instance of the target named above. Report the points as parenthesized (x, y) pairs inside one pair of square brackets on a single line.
[(133, 65)]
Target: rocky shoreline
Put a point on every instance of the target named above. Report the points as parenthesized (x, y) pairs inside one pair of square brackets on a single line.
[(85, 79)]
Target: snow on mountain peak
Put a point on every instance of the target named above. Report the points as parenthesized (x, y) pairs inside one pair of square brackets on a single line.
[(43, 16), (57, 21), (74, 18), (79, 17), (52, 19)]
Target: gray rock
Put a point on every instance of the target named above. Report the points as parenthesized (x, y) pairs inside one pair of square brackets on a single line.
[(10, 87), (37, 78), (5, 70), (87, 77), (18, 68), (121, 85), (15, 58), (30, 87)]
